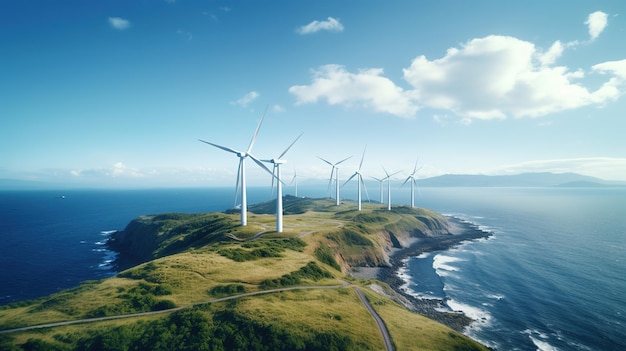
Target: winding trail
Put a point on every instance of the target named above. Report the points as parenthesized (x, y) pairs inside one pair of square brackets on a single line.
[(379, 321)]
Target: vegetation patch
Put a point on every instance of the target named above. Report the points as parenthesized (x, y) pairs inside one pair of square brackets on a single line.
[(326, 255), (262, 249), (141, 298), (227, 290), (311, 271)]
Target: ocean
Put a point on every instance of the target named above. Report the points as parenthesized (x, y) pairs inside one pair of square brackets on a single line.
[(552, 277)]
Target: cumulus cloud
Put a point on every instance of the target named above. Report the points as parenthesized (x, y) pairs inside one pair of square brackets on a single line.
[(246, 99), (493, 77), (331, 24), (367, 88), (596, 22), (119, 23)]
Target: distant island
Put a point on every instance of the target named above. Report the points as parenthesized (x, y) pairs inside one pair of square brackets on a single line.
[(518, 180), (202, 281)]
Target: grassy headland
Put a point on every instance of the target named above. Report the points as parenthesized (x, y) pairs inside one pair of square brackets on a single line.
[(186, 264)]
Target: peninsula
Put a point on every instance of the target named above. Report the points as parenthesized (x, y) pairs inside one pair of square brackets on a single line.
[(202, 281)]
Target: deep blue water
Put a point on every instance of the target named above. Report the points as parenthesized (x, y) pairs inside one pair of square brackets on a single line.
[(553, 277)]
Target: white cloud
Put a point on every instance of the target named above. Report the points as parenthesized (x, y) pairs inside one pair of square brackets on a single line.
[(493, 77), (367, 88), (246, 99), (119, 23), (331, 24), (496, 77), (596, 22)]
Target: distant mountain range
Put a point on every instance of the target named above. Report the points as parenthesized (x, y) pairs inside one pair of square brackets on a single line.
[(572, 180), (518, 180)]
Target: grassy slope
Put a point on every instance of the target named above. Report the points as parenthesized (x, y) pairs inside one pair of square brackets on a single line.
[(192, 266)]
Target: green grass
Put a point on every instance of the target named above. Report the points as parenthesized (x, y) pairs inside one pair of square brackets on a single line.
[(205, 256)]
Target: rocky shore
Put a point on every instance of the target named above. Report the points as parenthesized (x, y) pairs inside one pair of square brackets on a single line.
[(432, 308)]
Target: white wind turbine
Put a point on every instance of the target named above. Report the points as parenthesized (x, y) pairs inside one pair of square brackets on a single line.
[(388, 179), (336, 173), (411, 177), (359, 181), (294, 181), (241, 171), (279, 185), (381, 181)]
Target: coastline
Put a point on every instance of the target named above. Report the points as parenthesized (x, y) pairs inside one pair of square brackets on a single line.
[(436, 309)]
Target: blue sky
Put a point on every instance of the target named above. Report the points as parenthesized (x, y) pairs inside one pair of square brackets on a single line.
[(117, 93)]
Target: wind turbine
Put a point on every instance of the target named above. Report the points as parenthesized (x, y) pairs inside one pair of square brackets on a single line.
[(381, 187), (279, 185), (241, 171), (294, 181), (388, 179), (336, 173), (359, 180), (411, 177)]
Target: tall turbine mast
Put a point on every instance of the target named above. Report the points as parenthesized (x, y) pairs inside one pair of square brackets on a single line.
[(241, 171), (334, 171), (279, 185), (411, 177), (359, 180), (294, 181), (388, 178), (381, 187)]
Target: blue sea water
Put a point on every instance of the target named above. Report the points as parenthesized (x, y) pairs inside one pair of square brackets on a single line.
[(552, 277)]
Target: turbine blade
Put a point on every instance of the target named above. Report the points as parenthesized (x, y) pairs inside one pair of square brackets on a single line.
[(237, 184), (221, 147), (387, 173), (415, 168), (287, 149), (273, 176), (258, 162), (364, 187), (326, 161), (336, 164), (256, 132), (362, 157), (349, 179), (407, 179), (330, 181)]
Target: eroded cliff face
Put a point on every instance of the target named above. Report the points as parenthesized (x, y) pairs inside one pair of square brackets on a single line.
[(403, 233), (138, 241)]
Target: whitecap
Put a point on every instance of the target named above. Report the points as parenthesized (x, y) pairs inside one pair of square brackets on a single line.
[(480, 317), (542, 345), (107, 232), (442, 262), (423, 255)]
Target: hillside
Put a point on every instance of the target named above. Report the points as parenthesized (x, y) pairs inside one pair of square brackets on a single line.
[(208, 283)]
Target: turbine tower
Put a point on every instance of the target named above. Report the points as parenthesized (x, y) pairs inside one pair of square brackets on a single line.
[(294, 181), (388, 179), (381, 187), (359, 180), (241, 171), (279, 185), (336, 173), (411, 177)]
